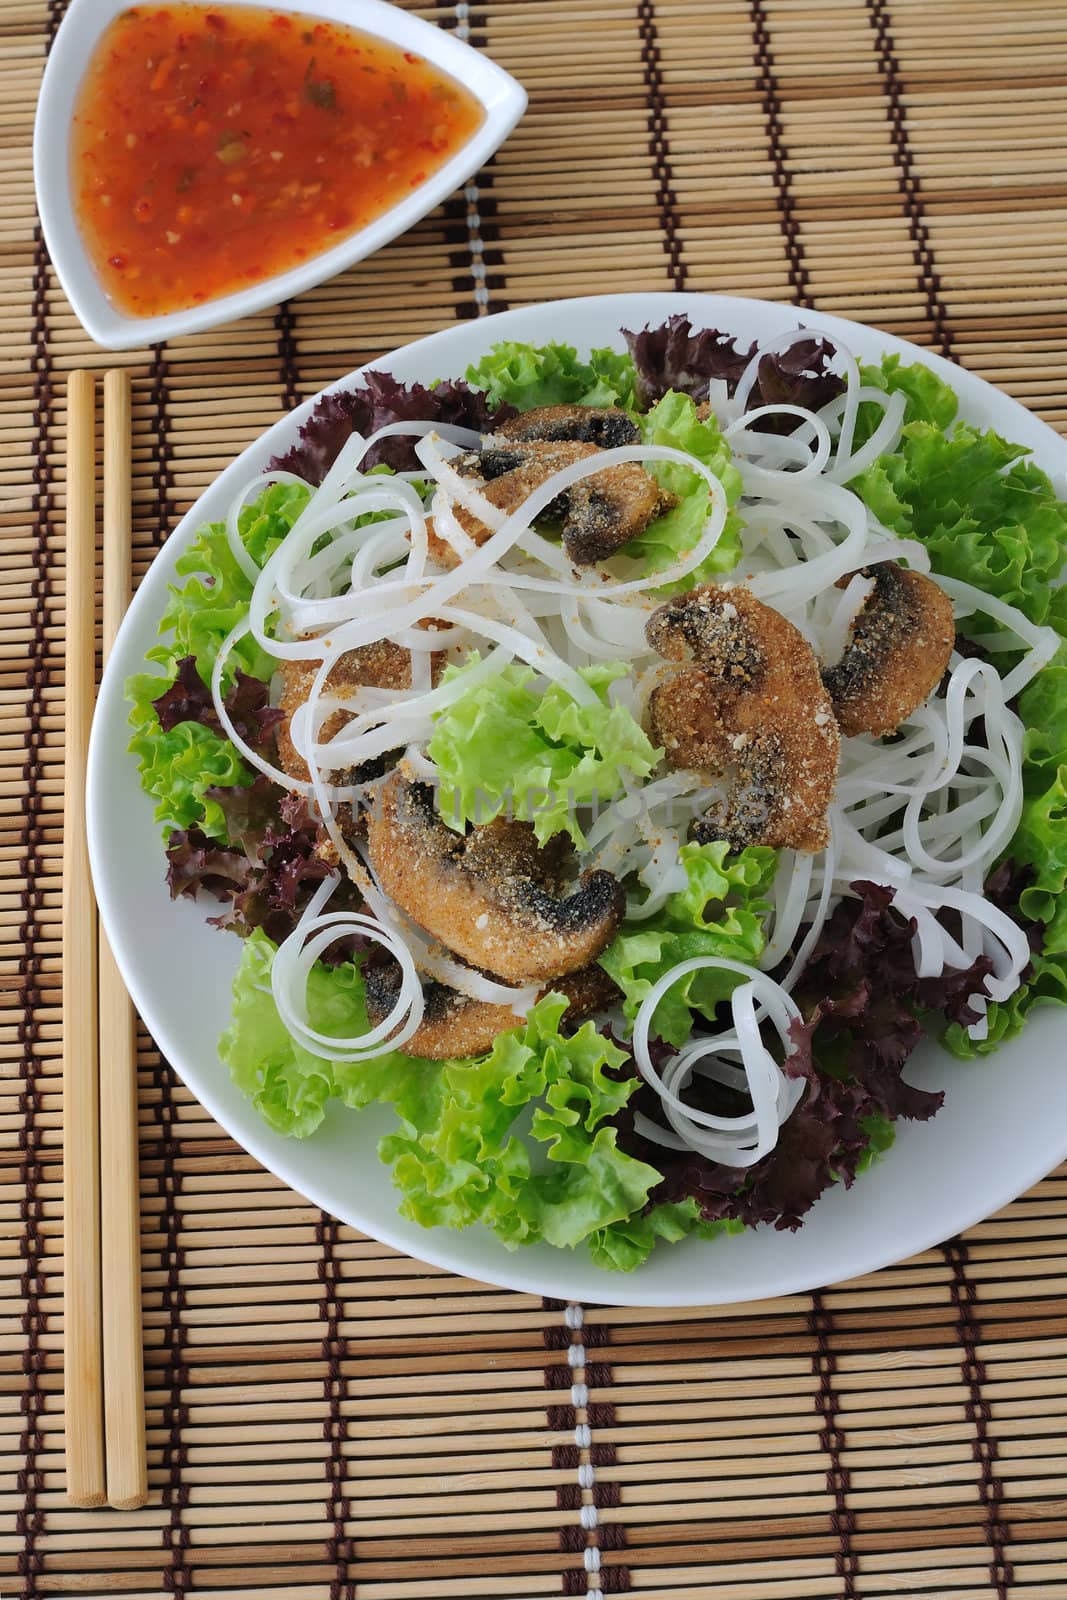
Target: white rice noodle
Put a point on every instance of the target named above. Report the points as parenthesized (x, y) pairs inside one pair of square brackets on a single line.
[(816, 915), (849, 411), (791, 884), (1041, 643), (844, 606), (238, 549), (795, 446), (254, 759), (1003, 941), (448, 527), (309, 941), (463, 438), (742, 1140), (884, 438), (826, 502)]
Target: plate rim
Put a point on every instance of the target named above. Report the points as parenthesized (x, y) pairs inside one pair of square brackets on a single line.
[(621, 1289)]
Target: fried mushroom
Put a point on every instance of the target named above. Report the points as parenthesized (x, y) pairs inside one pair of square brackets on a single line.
[(383, 665), (598, 514), (746, 705), (493, 897), (454, 1025), (603, 426), (898, 648)]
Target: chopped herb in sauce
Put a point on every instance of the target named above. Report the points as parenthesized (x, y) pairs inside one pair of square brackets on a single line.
[(202, 161)]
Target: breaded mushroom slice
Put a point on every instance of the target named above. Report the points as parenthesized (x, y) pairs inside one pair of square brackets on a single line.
[(603, 426), (454, 1026), (747, 706), (898, 648), (599, 514), (494, 897), (383, 665)]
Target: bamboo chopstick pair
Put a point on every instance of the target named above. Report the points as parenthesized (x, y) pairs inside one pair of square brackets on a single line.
[(103, 1358)]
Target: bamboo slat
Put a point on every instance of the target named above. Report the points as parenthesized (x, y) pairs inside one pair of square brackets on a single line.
[(326, 1420)]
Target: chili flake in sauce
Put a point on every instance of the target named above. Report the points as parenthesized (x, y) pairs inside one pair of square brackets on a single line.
[(216, 146)]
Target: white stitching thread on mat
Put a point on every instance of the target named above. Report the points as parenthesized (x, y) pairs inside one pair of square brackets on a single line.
[(472, 194), (589, 1518)]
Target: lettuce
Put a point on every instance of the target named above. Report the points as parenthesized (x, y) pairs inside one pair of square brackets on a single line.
[(986, 516), (457, 1154), (215, 597), (929, 398), (721, 912), (526, 375), (502, 743), (178, 768), (179, 764), (622, 1246), (673, 421), (458, 1159)]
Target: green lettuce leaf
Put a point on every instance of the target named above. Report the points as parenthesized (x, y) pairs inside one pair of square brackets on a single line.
[(673, 421), (215, 597), (177, 768), (721, 912), (624, 1245), (986, 517), (527, 375), (929, 398), (458, 1155), (458, 1159), (502, 741)]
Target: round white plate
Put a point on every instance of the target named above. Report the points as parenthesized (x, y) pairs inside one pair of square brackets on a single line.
[(1004, 1122)]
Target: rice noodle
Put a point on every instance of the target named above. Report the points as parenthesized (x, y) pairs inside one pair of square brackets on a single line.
[(295, 957), (742, 1140)]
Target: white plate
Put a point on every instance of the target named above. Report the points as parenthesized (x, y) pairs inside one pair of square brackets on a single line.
[(1004, 1122), (503, 101)]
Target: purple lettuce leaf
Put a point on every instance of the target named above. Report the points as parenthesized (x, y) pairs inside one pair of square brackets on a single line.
[(267, 876), (379, 400), (674, 356), (188, 699)]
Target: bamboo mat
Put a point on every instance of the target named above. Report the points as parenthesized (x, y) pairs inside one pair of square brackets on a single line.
[(327, 1420)]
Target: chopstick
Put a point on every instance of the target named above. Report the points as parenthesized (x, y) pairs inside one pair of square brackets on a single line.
[(82, 1374), (103, 1360), (120, 1212)]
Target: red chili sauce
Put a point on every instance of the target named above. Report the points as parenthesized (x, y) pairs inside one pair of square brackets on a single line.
[(214, 147)]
